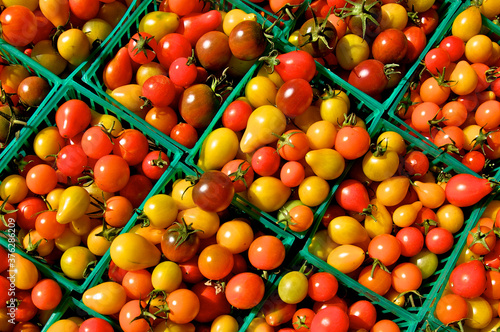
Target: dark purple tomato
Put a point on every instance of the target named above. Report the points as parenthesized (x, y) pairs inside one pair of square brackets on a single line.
[(318, 37), (198, 105), (180, 242), (213, 192), (247, 41), (212, 50)]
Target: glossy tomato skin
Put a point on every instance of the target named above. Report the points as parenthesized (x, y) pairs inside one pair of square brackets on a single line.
[(369, 77), (330, 319), (321, 47), (245, 290), (390, 46), (214, 191), (296, 64), (19, 25), (416, 43), (247, 41), (212, 50), (468, 279), (465, 190), (198, 105), (212, 302), (175, 250)]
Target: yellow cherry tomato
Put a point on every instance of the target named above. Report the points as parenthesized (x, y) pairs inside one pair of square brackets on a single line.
[(479, 314), (45, 54), (478, 49), (97, 244), (13, 188), (379, 221), (182, 193), (261, 91), (160, 210), (75, 261), (64, 325), (166, 276), (206, 221), (450, 217), (321, 135), (394, 16), (313, 190), (159, 23), (351, 50), (74, 46), (392, 140), (235, 16)]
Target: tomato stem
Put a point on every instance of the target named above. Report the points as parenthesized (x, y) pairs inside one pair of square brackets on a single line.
[(240, 173), (89, 268), (318, 31), (360, 9), (32, 247), (4, 212), (184, 230)]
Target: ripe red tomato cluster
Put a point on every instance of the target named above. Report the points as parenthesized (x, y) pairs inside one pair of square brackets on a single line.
[(207, 277), (77, 185), (25, 294), (177, 69), (455, 101), (471, 294), (80, 26), (368, 43), (394, 213), (318, 302)]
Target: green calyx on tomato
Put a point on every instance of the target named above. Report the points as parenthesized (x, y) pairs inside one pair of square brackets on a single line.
[(109, 233), (318, 36), (183, 230), (5, 211), (361, 11), (240, 173), (480, 237), (31, 248)]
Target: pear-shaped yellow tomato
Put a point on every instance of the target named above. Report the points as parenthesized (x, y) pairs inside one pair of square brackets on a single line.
[(313, 190), (218, 148), (132, 252), (159, 23), (431, 195), (467, 24), (182, 193), (321, 245), (106, 298), (206, 221), (464, 78), (268, 193), (380, 165), (45, 54), (393, 190), (128, 95), (326, 163), (235, 16), (346, 258), (265, 124), (73, 203), (379, 221), (490, 8), (74, 46), (160, 210), (346, 230), (23, 272), (405, 214)]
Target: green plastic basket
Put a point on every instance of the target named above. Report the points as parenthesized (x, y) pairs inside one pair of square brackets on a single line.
[(450, 160), (260, 225), (446, 11), (323, 78), (71, 307), (70, 73), (350, 292), (430, 285), (93, 76), (442, 281), (23, 147)]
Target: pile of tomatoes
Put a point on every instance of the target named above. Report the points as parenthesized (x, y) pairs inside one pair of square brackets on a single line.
[(76, 183), (175, 68), (60, 35), (453, 103), (26, 296)]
